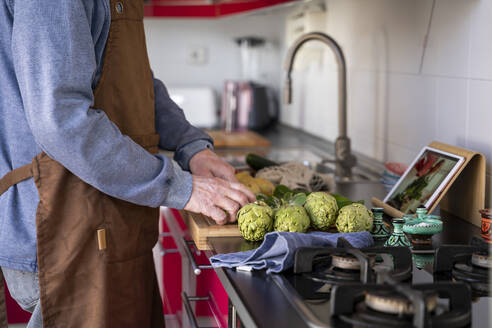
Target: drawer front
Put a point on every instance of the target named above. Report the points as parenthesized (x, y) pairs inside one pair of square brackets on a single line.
[(192, 292)]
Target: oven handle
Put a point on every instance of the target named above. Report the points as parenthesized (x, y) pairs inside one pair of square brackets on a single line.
[(197, 269), (189, 312)]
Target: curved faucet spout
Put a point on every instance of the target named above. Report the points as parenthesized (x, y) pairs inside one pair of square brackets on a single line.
[(345, 160)]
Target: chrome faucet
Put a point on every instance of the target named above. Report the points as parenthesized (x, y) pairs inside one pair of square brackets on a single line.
[(344, 159)]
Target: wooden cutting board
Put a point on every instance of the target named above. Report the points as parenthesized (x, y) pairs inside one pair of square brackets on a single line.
[(224, 139), (202, 227)]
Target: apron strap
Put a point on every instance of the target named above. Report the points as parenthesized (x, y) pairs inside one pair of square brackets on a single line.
[(3, 307), (14, 177)]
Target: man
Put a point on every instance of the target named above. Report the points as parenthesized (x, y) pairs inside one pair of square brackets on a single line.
[(82, 118)]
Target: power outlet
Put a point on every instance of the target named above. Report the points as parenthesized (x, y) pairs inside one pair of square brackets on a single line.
[(197, 55)]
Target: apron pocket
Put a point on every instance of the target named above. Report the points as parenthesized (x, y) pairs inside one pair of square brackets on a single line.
[(131, 230)]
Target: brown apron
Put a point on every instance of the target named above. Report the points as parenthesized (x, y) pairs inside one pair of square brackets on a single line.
[(94, 251)]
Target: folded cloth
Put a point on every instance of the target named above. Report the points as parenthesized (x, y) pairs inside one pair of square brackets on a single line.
[(276, 253)]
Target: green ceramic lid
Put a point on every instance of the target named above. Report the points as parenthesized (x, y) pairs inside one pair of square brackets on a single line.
[(377, 210), (428, 226), (398, 220), (421, 211), (407, 217)]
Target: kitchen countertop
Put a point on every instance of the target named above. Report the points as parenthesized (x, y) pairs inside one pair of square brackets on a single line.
[(258, 301)]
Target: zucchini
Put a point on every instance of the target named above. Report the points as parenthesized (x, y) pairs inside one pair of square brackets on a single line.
[(257, 162)]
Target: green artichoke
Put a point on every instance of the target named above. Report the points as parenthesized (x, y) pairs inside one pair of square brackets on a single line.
[(353, 218), (291, 218), (255, 220), (322, 209)]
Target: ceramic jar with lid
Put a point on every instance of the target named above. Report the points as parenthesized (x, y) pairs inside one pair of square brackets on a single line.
[(486, 231), (379, 230), (422, 228), (398, 238)]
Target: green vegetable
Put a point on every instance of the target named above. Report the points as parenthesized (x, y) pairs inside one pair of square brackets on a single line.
[(322, 209), (281, 191), (291, 218), (298, 199), (353, 218), (344, 201), (257, 162), (255, 220)]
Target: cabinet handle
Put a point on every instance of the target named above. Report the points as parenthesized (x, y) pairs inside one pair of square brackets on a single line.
[(197, 269), (162, 250), (189, 312)]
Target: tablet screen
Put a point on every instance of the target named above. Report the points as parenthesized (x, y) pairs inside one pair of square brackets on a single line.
[(424, 180)]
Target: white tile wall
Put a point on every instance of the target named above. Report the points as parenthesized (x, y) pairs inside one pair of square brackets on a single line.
[(481, 46), (480, 118), (449, 39), (411, 110), (452, 111), (395, 105)]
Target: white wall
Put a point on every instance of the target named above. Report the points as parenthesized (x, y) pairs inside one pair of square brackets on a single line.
[(395, 106), (170, 40)]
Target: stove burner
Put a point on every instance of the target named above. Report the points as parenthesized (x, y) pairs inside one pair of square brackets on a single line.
[(346, 263), (396, 304), (482, 261), (349, 262), (334, 275), (476, 276), (393, 304), (468, 263)]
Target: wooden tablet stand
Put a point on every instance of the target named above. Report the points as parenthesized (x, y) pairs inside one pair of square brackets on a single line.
[(464, 194)]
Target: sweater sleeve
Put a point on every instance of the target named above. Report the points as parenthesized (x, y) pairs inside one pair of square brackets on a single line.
[(177, 134)]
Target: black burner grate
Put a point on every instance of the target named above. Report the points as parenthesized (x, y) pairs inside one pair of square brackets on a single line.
[(348, 307), (315, 263), (454, 262)]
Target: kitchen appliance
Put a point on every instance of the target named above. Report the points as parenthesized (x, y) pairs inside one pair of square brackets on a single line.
[(381, 287), (394, 305), (248, 105), (468, 263)]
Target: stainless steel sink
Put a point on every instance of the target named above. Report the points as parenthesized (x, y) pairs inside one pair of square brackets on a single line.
[(359, 174)]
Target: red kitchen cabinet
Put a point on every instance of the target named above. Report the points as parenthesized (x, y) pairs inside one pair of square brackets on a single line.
[(191, 290), (205, 8)]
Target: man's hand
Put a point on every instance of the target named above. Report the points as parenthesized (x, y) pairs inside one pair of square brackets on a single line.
[(206, 163), (218, 198)]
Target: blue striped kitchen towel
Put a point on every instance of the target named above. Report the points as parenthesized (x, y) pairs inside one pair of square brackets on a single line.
[(276, 253)]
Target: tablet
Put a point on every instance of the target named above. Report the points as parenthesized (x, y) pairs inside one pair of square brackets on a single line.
[(424, 180)]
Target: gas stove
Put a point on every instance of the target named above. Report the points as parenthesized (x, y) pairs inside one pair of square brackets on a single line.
[(468, 263), (382, 287)]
